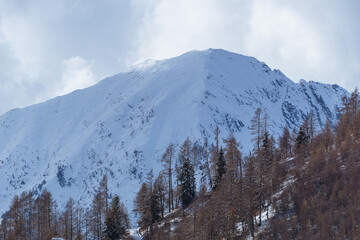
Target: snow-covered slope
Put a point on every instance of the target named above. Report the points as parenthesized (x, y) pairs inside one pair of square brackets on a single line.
[(121, 125)]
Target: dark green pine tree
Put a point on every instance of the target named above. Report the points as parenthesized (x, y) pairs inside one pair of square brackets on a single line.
[(116, 220), (220, 168), (302, 138), (266, 152), (155, 207), (187, 182)]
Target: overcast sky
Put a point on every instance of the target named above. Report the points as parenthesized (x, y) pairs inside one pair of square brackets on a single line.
[(50, 48)]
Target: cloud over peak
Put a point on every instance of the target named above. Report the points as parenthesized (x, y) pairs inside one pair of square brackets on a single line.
[(54, 47)]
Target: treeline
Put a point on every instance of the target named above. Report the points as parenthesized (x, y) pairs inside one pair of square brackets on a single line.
[(39, 217), (305, 185), (233, 187), (324, 200)]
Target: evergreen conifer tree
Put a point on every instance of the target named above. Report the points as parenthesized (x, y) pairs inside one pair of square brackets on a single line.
[(220, 168), (116, 221), (167, 162), (187, 183), (301, 138)]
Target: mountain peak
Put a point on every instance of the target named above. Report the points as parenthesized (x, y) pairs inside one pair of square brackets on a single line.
[(122, 125), (197, 57), (196, 66)]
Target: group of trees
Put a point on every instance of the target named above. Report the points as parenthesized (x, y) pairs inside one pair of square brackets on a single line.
[(233, 188), (154, 197), (323, 201), (242, 187), (305, 185), (39, 217)]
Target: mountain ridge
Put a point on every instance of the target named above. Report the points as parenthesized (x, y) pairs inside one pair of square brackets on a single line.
[(121, 125)]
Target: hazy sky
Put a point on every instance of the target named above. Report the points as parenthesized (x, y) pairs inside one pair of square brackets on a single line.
[(50, 48)]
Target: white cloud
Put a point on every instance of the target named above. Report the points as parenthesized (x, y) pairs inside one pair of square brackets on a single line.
[(279, 35), (77, 74), (174, 27), (307, 39), (318, 40), (36, 36)]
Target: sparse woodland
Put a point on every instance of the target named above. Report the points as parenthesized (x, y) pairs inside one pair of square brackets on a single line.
[(39, 217), (304, 185)]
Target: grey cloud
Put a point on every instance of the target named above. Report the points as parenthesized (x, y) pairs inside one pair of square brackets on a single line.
[(37, 36), (106, 37)]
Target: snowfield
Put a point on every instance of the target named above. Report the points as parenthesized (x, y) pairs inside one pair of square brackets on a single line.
[(121, 126)]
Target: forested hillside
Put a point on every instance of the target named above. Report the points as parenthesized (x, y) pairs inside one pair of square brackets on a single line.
[(304, 185), (40, 217)]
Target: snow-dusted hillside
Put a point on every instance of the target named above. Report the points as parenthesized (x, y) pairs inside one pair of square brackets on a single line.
[(121, 125)]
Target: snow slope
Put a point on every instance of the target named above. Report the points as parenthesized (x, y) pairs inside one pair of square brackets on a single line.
[(121, 125)]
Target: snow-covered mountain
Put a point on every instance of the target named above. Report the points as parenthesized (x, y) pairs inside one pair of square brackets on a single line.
[(121, 125)]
